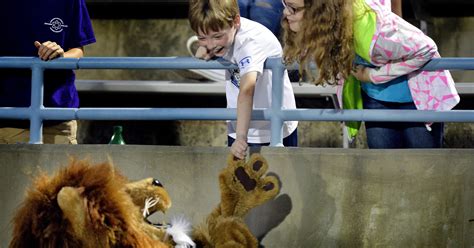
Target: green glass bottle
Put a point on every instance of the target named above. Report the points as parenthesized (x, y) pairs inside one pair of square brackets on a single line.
[(117, 138)]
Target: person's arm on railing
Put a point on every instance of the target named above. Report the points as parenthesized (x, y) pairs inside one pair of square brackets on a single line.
[(399, 53), (50, 50)]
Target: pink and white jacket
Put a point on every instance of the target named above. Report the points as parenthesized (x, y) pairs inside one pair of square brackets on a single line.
[(398, 48), (386, 3)]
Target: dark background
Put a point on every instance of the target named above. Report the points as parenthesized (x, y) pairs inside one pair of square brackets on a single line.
[(171, 9)]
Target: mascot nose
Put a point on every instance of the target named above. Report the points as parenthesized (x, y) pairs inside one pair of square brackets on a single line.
[(157, 182)]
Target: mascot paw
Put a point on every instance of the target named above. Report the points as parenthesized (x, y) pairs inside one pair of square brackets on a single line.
[(244, 186)]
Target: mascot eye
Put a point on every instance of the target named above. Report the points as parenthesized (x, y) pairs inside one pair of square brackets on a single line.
[(156, 182)]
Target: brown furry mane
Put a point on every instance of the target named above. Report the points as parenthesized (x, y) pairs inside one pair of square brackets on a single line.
[(39, 223)]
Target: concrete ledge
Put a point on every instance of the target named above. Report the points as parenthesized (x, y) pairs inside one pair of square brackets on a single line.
[(329, 197)]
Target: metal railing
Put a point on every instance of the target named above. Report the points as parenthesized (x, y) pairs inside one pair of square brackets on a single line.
[(36, 113)]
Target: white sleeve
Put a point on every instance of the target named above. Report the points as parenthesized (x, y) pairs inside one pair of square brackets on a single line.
[(250, 56)]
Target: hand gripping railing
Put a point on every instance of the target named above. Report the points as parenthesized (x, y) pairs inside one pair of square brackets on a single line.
[(36, 113)]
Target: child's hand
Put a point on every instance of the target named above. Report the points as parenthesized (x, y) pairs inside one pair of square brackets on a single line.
[(361, 73), (202, 53), (239, 148), (49, 50)]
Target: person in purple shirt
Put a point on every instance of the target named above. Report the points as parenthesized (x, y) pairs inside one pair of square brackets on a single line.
[(47, 29)]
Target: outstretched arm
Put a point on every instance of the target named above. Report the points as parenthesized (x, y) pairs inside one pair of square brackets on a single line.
[(244, 113)]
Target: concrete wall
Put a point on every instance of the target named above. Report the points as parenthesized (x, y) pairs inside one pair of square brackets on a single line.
[(328, 198)]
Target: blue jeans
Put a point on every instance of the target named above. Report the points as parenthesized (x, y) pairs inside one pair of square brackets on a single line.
[(400, 134), (290, 140), (266, 12)]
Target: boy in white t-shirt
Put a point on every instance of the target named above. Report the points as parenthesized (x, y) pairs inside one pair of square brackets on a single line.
[(223, 33)]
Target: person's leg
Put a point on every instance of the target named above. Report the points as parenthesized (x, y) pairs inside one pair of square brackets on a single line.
[(381, 135), (292, 139), (417, 135), (268, 13), (9, 135), (230, 141), (62, 133)]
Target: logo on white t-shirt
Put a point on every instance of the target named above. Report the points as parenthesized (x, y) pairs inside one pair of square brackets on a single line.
[(245, 62), (56, 25), (235, 77)]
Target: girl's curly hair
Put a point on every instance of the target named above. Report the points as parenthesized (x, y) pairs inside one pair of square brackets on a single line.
[(325, 38)]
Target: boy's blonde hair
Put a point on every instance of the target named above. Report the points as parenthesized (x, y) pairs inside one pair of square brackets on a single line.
[(212, 15)]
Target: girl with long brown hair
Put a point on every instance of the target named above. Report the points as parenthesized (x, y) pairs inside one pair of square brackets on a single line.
[(374, 56)]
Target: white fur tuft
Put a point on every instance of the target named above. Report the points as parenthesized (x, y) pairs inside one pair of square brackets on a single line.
[(180, 229)]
